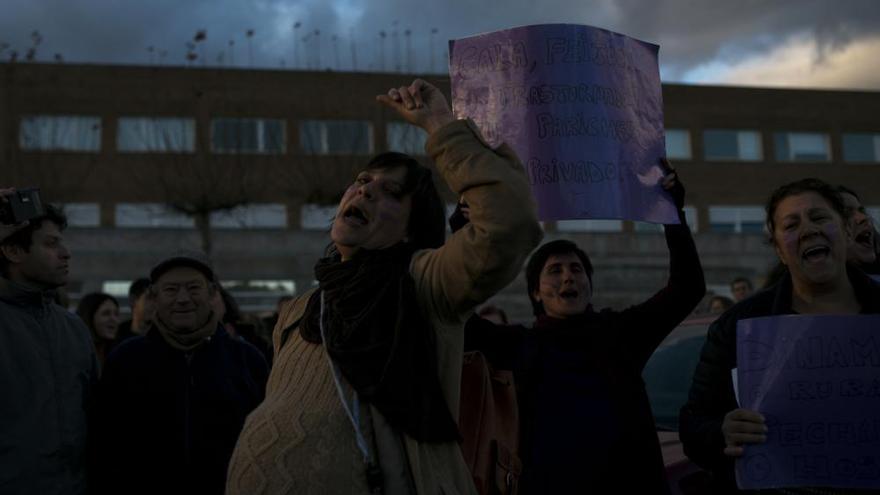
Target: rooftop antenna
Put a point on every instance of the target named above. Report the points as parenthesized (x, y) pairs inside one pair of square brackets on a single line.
[(318, 49), (354, 59), (395, 46), (296, 26), (382, 36), (433, 33), (409, 67), (250, 35), (199, 39)]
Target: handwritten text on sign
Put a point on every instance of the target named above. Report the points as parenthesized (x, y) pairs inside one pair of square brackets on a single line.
[(816, 380), (583, 109)]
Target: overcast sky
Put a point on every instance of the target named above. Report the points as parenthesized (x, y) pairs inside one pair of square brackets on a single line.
[(791, 43)]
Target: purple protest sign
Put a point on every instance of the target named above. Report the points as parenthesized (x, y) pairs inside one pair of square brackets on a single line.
[(816, 380), (583, 109)]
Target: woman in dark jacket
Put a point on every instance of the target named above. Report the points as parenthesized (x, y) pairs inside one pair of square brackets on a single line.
[(806, 222), (585, 417)]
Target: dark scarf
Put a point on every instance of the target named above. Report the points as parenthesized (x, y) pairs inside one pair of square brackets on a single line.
[(383, 344)]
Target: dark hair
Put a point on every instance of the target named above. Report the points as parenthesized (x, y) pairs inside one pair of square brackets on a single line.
[(539, 259), (741, 279), (813, 185), (89, 305), (844, 189), (138, 288), (233, 312), (24, 238), (726, 302), (427, 218)]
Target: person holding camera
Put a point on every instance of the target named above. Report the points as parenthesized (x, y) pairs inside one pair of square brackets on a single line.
[(47, 362)]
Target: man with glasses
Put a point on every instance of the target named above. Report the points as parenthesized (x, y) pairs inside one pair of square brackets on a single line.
[(172, 403)]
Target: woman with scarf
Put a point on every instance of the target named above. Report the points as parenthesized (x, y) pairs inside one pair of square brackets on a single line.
[(365, 387)]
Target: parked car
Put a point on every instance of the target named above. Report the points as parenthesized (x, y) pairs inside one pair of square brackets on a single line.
[(667, 377)]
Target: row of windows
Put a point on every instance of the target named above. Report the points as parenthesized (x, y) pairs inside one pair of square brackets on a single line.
[(745, 145), (228, 135), (734, 219)]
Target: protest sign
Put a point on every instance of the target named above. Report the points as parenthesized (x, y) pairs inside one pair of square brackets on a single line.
[(816, 380), (583, 109)]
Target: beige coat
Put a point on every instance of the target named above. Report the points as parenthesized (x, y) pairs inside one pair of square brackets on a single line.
[(300, 439)]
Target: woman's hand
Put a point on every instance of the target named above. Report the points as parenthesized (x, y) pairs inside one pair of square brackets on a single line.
[(671, 183), (742, 427), (421, 104)]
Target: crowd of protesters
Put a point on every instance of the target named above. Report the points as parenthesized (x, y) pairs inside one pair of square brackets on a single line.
[(363, 395)]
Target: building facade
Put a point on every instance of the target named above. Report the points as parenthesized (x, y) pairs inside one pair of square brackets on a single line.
[(249, 164)]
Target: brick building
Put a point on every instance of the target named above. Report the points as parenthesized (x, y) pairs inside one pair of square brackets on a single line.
[(150, 159)]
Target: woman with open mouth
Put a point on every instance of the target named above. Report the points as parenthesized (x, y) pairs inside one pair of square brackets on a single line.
[(364, 391), (863, 248), (808, 228)]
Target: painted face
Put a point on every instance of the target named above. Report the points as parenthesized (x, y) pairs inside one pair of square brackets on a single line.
[(810, 239), (373, 213), (563, 287), (106, 320), (861, 247), (46, 264), (183, 299), (740, 291)]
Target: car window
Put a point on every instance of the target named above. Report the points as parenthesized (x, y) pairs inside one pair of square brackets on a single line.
[(668, 376)]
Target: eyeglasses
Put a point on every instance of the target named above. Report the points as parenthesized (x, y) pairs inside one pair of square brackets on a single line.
[(194, 290)]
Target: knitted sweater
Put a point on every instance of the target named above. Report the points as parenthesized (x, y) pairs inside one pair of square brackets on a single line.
[(300, 439)]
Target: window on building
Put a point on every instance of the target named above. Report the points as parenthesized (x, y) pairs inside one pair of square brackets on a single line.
[(317, 217), (230, 135), (60, 133), (738, 219), (728, 144), (678, 144), (861, 148), (690, 214), (589, 225), (260, 216), (802, 147), (82, 214), (406, 138), (147, 134), (330, 137), (151, 215)]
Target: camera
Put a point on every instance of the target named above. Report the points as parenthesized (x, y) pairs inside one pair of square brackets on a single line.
[(21, 205)]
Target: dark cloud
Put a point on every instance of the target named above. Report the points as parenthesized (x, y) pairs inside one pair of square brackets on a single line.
[(691, 32)]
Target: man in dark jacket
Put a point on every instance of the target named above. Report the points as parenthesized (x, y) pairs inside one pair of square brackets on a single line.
[(171, 404), (47, 364), (585, 417)]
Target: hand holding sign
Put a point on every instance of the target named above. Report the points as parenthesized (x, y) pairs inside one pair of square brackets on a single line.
[(672, 184), (420, 103), (741, 427)]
